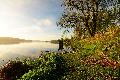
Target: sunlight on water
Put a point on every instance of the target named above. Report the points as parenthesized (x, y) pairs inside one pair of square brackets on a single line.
[(32, 49)]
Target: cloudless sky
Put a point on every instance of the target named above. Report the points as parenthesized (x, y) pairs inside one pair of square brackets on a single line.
[(30, 19)]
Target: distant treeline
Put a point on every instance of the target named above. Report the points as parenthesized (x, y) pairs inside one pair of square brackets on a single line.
[(54, 41), (10, 40)]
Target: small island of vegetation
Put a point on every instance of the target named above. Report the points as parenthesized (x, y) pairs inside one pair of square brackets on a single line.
[(54, 41)]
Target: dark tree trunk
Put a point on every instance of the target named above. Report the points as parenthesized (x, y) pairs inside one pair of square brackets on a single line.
[(87, 25)]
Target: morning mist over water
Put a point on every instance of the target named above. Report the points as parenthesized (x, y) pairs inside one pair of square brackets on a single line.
[(21, 50)]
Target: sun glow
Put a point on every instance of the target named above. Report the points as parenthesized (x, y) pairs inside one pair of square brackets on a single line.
[(13, 20), (17, 20), (8, 19)]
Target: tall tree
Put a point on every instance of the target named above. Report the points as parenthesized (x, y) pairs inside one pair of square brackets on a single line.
[(89, 16)]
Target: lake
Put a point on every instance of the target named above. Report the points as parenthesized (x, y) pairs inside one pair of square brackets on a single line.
[(29, 49)]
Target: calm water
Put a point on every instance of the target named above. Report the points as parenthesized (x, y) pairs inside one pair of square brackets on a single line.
[(33, 49)]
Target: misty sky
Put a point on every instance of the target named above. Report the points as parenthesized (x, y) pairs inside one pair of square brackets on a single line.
[(30, 19)]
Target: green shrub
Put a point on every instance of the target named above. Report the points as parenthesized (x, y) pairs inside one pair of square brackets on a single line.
[(52, 67)]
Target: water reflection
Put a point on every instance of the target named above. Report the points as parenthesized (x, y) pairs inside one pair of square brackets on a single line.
[(32, 49)]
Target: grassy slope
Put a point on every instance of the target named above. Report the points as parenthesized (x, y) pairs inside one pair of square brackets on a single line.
[(96, 58)]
